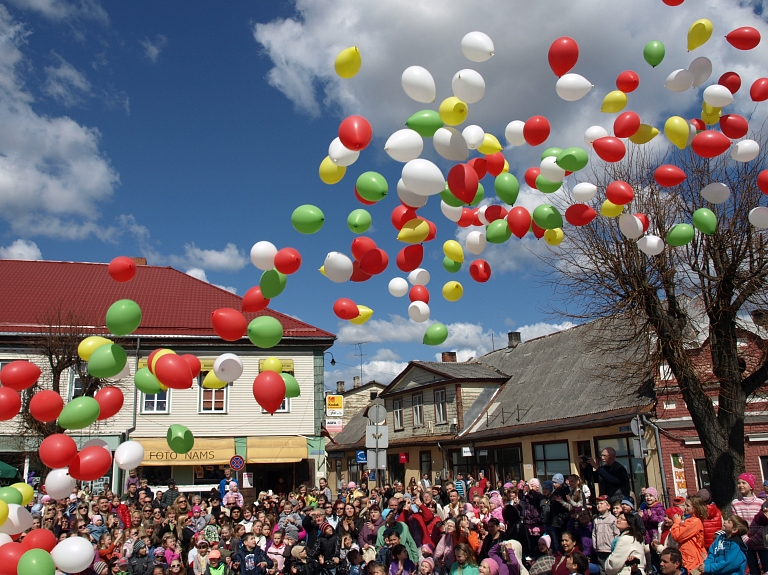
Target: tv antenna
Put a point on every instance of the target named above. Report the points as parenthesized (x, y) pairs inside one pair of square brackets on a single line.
[(361, 355)]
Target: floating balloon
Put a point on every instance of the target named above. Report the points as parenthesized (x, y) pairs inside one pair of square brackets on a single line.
[(514, 132), (436, 334), (418, 293), (668, 176), (414, 231), (563, 55), (419, 277), (338, 267), (40, 539), (498, 232), (306, 219), (129, 455), (172, 371), (426, 123), (651, 245), (463, 182), (107, 361), (122, 269), (519, 221), (594, 133), (709, 144), (698, 34), (610, 149), (654, 52), (613, 102), (363, 315), (644, 221), (627, 81), (263, 252), (359, 221), (718, 96), (348, 62), (19, 374), (580, 215), (404, 145), (610, 210), (146, 382), (745, 151), (210, 381), (705, 221), (744, 38), (110, 400), (418, 84), (536, 130), (734, 126), (480, 271), (123, 317), (701, 68), (90, 463), (229, 324), (583, 192), (477, 46), (86, 347), (762, 181), (573, 87), (716, 193), (475, 242), (79, 413), (398, 287), (374, 261), (329, 172), (554, 237), (452, 249), (550, 170), (506, 187), (340, 155), (10, 555), (495, 163), (355, 133), (490, 145), (292, 388), (423, 177), (180, 438), (72, 554), (619, 193), (759, 90), (758, 217), (626, 125), (418, 311), (410, 257), (676, 129), (265, 332), (630, 226), (11, 496), (45, 405), (408, 198), (450, 144), (288, 260), (453, 111), (680, 235), (730, 80), (679, 80), (544, 185), (228, 367), (468, 86), (547, 217)]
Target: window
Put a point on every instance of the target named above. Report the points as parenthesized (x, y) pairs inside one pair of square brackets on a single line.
[(551, 458), (764, 466), (158, 403), (395, 469), (353, 469), (441, 407), (509, 463), (156, 475), (397, 413), (702, 473), (75, 385), (285, 407), (425, 463), (665, 372), (624, 455), (418, 410), (211, 400)]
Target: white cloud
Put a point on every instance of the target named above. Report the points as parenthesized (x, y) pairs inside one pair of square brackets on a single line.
[(65, 10), (230, 259), (201, 275), (65, 84), (21, 250), (384, 354), (377, 370), (152, 48), (535, 330)]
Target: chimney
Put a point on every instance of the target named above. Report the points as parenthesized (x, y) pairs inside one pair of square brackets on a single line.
[(760, 317), (356, 381), (339, 387), (139, 261), (449, 357), (514, 339)]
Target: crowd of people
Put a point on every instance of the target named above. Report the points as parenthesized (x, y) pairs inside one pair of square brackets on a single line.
[(455, 527)]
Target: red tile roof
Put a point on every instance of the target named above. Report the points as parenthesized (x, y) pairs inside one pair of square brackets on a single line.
[(172, 302)]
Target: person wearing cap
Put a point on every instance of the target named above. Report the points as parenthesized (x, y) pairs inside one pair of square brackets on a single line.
[(198, 557), (604, 531), (543, 565), (215, 565), (170, 495), (140, 562), (326, 549), (652, 516), (554, 514), (746, 506), (665, 540)]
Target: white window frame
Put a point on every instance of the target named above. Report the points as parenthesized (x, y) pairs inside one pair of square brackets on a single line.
[(200, 401), (74, 379), (153, 398), (285, 407), (397, 414), (417, 407), (441, 406)]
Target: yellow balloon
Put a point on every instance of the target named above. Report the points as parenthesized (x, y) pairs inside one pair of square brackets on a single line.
[(453, 111), (89, 345), (506, 167), (676, 129), (321, 269), (414, 231), (157, 356), (453, 251), (27, 493), (644, 134), (707, 109), (490, 145), (365, 315), (610, 210), (554, 237), (272, 364), (3, 511), (452, 291), (711, 118), (163, 388), (348, 62), (213, 382), (330, 173), (698, 34), (614, 102)]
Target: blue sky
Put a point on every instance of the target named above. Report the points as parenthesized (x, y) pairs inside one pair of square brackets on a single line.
[(187, 132)]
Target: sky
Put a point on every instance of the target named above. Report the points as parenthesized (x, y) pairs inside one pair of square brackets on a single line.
[(185, 133)]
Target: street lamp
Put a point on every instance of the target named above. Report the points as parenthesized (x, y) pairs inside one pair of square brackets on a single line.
[(333, 361)]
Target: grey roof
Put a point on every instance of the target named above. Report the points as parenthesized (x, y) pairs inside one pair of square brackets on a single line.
[(423, 373), (456, 370)]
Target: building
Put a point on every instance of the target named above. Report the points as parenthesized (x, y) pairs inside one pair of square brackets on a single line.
[(176, 313), (358, 397)]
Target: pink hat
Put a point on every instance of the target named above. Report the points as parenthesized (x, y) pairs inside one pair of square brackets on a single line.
[(652, 492), (749, 478), (427, 549), (493, 567), (547, 540), (429, 561), (196, 508)]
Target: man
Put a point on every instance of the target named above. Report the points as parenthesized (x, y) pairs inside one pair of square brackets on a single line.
[(311, 524), (455, 508), (132, 495), (325, 490), (226, 483), (611, 475), (460, 485), (495, 535), (426, 484), (102, 505), (672, 562), (170, 495), (391, 523)]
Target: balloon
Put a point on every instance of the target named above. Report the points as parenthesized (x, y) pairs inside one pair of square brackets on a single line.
[(42, 539), (644, 221), (514, 133), (654, 53), (626, 125), (263, 252), (89, 345), (480, 271), (451, 266), (372, 186), (701, 68), (19, 374), (10, 555), (563, 55), (37, 561), (355, 133), (401, 215), (679, 80), (228, 367), (762, 182), (718, 96), (610, 149), (610, 210), (338, 267), (477, 46), (759, 90), (531, 175), (364, 314), (537, 231), (734, 126), (536, 130), (419, 277), (292, 388), (423, 177), (651, 245), (730, 80), (619, 193), (716, 193), (474, 136), (79, 413), (329, 172), (91, 463), (475, 242), (550, 170), (463, 182), (452, 249), (547, 217), (123, 317), (172, 371), (453, 111), (288, 260), (58, 483), (122, 269), (744, 38), (414, 231), (110, 400), (673, 2), (668, 176), (698, 34), (418, 311), (506, 187), (11, 496), (408, 198), (468, 86), (374, 261), (480, 166), (680, 234), (580, 215), (705, 221), (348, 62), (519, 221), (398, 287), (426, 123), (129, 455), (265, 332), (418, 84), (306, 219), (573, 87), (490, 145), (630, 226), (627, 81), (146, 382), (10, 403), (212, 382), (340, 155), (758, 217), (614, 102), (450, 144), (45, 405), (554, 237), (180, 438), (419, 293), (410, 257), (676, 129), (359, 221), (229, 324), (107, 361), (194, 364), (745, 151), (594, 133), (404, 145), (269, 391), (709, 144), (360, 246), (73, 554), (452, 291), (584, 191), (272, 364), (498, 232), (436, 334), (544, 185), (644, 134), (495, 163)]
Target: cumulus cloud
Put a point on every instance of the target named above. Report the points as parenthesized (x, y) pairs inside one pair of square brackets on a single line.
[(65, 84), (21, 250), (385, 354), (152, 48), (230, 259), (200, 274), (379, 370)]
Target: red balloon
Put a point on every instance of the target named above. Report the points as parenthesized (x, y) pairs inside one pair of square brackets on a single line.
[(401, 215), (644, 219), (580, 214), (744, 38), (609, 148), (536, 130), (19, 374), (362, 200), (734, 126), (345, 308), (151, 359), (495, 212), (480, 166), (419, 293), (563, 55), (432, 231), (619, 193), (467, 218), (361, 245), (287, 261), (668, 176), (269, 391), (537, 231), (627, 81), (355, 133), (759, 90), (673, 2), (530, 176), (463, 182), (57, 450), (709, 143), (698, 124), (10, 553), (358, 275), (172, 371), (122, 269), (495, 163), (410, 257), (762, 181), (110, 400), (10, 403), (730, 80), (480, 270), (253, 300), (519, 221), (374, 261), (93, 462), (626, 125), (229, 324), (476, 217), (40, 539), (46, 405), (193, 363)]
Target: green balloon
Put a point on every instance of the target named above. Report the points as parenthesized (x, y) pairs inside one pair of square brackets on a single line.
[(551, 152), (654, 52), (547, 217), (705, 221), (123, 317), (291, 385), (265, 332), (572, 159), (450, 265), (544, 185), (79, 413), (37, 561), (272, 283), (11, 495), (146, 382), (447, 196), (307, 219), (507, 187), (371, 186), (426, 123), (679, 235), (498, 232), (358, 221), (479, 195), (180, 439), (107, 361), (436, 334)]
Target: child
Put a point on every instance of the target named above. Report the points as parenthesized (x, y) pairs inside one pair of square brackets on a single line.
[(140, 560), (384, 556), (200, 561), (401, 564), (275, 551), (211, 531), (616, 508), (728, 554), (689, 534), (198, 520), (158, 556), (577, 563), (171, 549), (355, 561), (426, 566), (604, 531), (96, 529), (252, 559)]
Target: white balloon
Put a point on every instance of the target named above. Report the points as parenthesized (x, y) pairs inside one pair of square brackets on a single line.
[(59, 484), (129, 455), (550, 170), (398, 287), (228, 367), (468, 86), (73, 555), (572, 87), (701, 68), (651, 245), (692, 131), (716, 193), (423, 177), (340, 155), (96, 443), (758, 217), (5, 538), (475, 242), (477, 46), (593, 133), (718, 96), (404, 145), (679, 80), (630, 226), (419, 277), (745, 151), (481, 215), (338, 267), (473, 136), (514, 133), (19, 520), (419, 84), (450, 144), (263, 255), (584, 192), (418, 311), (450, 212), (408, 197)]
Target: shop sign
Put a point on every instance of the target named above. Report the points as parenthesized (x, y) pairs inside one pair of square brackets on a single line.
[(334, 406), (678, 475), (334, 425), (467, 451)]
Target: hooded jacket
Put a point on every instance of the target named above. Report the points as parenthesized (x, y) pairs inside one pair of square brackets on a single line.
[(249, 561), (651, 517), (689, 535), (727, 556), (712, 524), (140, 565)]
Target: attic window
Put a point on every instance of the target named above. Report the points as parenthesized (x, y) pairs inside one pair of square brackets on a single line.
[(670, 405), (665, 373)]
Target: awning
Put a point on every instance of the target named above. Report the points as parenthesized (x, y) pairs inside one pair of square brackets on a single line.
[(207, 451), (276, 449), (8, 471)]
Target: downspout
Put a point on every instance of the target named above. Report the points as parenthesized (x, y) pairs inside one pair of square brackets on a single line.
[(127, 432), (658, 453)]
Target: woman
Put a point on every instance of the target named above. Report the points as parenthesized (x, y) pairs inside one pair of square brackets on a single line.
[(543, 565), (466, 563), (444, 555), (627, 550), (756, 540), (689, 534), (247, 520), (534, 528), (349, 523), (568, 546), (338, 512), (61, 526)]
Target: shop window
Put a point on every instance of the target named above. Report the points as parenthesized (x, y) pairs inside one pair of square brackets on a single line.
[(441, 407), (75, 385), (624, 455), (211, 400), (158, 403), (551, 458), (702, 473), (395, 469), (353, 469), (156, 475), (418, 410), (397, 413), (509, 463), (425, 463), (207, 475), (462, 464)]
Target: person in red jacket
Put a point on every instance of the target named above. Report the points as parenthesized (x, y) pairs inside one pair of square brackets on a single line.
[(714, 521), (122, 511)]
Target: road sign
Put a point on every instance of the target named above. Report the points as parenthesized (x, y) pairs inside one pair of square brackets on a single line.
[(377, 460), (377, 414), (360, 456), (237, 463), (376, 436), (637, 426)]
